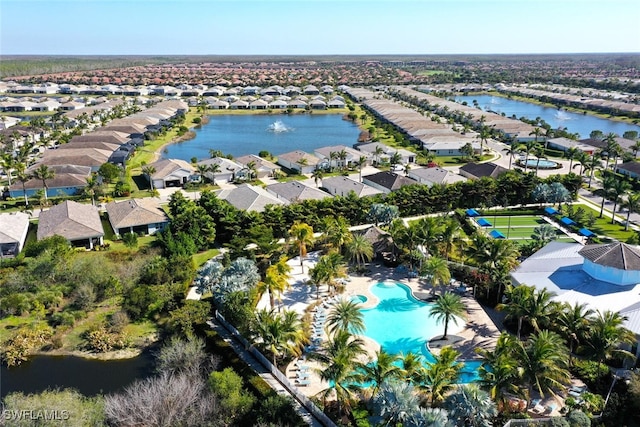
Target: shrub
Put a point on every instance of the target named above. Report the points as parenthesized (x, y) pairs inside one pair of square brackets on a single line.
[(578, 419), (130, 240)]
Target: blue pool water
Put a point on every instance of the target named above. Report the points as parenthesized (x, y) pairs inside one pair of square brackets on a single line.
[(359, 298), (401, 324), (544, 164)]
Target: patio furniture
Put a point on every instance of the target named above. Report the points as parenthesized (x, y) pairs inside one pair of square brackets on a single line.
[(303, 382)]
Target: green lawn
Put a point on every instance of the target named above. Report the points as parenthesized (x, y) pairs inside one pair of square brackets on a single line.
[(514, 221), (202, 257)]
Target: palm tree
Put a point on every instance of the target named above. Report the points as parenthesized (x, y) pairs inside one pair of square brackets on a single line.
[(448, 307), (92, 187), (336, 232), (412, 367), (23, 177), (528, 303), (451, 234), (619, 188), (317, 175), (612, 147), (302, 235), (571, 154), (544, 234), (512, 150), (582, 159), (395, 159), (331, 267), (632, 204), (529, 147), (377, 153), (606, 191), (430, 231), (339, 360), (359, 249), (44, 173), (594, 163), (539, 152), (395, 403), (7, 163), (543, 363), (469, 405), (573, 323), (149, 171), (484, 135), (276, 280), (345, 315), (437, 271), (499, 370), (605, 335), (360, 163), (279, 333), (384, 368), (442, 375)]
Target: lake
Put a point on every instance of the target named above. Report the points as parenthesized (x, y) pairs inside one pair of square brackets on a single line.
[(87, 376), (251, 133), (583, 124)]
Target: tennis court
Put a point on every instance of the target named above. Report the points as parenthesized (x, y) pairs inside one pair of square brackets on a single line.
[(516, 227)]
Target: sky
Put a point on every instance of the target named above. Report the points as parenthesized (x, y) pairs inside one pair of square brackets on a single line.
[(317, 27)]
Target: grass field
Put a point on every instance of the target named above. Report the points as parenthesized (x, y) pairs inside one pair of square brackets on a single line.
[(519, 227)]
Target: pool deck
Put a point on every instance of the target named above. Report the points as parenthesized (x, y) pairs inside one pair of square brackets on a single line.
[(479, 331)]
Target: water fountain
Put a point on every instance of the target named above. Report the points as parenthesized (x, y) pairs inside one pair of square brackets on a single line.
[(279, 127), (562, 116)]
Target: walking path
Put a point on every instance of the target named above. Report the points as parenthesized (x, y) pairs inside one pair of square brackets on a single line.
[(264, 373)]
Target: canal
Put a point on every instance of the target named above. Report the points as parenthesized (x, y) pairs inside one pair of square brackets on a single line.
[(582, 124)]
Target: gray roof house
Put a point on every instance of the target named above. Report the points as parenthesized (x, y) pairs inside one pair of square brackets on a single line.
[(249, 198), (298, 161), (480, 170), (386, 181), (342, 186), (631, 169), (13, 233), (262, 166), (295, 191), (430, 176), (68, 179), (136, 216), (78, 223), (324, 153), (228, 169), (171, 173)]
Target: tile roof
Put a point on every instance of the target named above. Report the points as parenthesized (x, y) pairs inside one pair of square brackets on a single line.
[(134, 212), (480, 170), (617, 255), (248, 197), (13, 226), (294, 191), (388, 180), (71, 220)]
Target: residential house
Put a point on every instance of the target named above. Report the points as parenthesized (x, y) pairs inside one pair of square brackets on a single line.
[(139, 216), (436, 175), (249, 198), (171, 173), (564, 144), (342, 186), (68, 180), (14, 227), (386, 181), (227, 169), (295, 191), (78, 223), (631, 169), (262, 167), (480, 170), (298, 161), (325, 153)]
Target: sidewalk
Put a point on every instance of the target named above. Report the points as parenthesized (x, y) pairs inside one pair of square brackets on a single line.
[(263, 373)]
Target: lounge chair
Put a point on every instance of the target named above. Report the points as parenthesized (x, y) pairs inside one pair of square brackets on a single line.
[(550, 408), (538, 409), (303, 382)]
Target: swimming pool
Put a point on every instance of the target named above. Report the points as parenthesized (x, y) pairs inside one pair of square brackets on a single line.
[(401, 324), (542, 164)]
